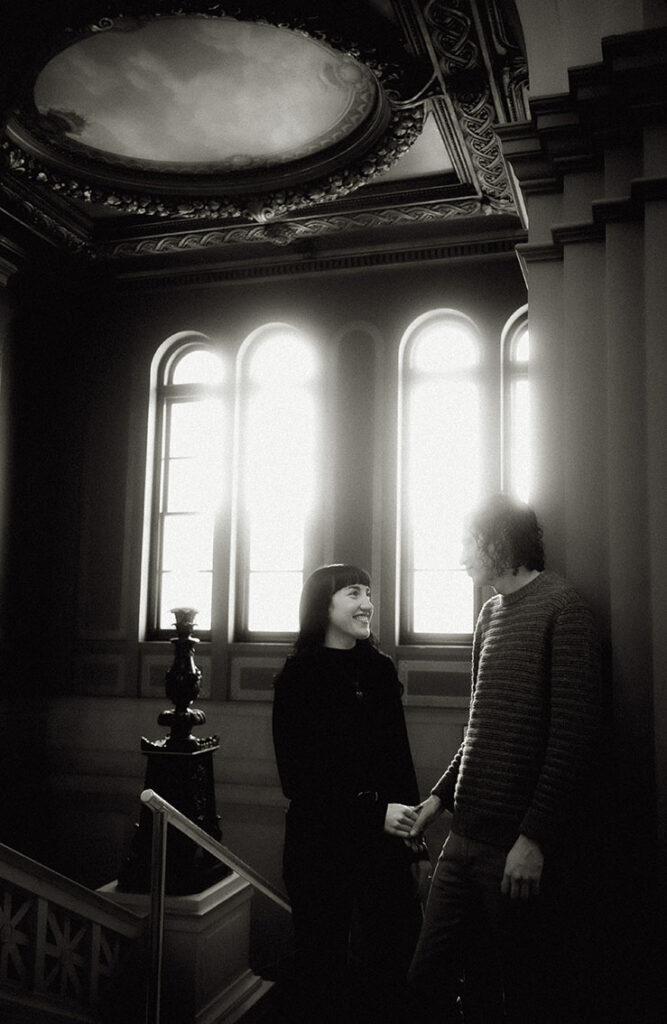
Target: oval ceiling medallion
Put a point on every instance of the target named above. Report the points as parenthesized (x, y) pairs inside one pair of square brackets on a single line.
[(200, 95), (197, 113)]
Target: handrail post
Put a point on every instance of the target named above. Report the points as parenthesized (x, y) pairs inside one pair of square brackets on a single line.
[(159, 805), (158, 871)]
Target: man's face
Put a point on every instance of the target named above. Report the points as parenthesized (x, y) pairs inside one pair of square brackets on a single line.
[(476, 562)]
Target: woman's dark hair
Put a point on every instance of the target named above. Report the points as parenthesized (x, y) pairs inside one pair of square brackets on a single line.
[(508, 534), (316, 596)]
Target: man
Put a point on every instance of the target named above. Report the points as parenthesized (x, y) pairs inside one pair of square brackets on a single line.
[(513, 784)]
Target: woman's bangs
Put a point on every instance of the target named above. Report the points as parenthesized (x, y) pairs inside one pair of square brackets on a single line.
[(349, 576)]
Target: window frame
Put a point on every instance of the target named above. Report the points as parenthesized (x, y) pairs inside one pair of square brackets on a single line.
[(493, 374), (406, 636), (239, 575), (510, 373), (165, 394)]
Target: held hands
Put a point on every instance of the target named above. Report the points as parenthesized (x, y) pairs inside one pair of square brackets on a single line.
[(523, 870), (427, 811), (399, 820)]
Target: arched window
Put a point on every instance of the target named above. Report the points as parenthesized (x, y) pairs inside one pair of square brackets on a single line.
[(440, 472), (278, 466), (187, 482), (516, 399)]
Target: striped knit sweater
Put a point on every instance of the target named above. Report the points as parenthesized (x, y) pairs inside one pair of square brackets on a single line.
[(534, 715)]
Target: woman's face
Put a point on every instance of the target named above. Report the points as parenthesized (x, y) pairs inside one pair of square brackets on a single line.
[(350, 615)]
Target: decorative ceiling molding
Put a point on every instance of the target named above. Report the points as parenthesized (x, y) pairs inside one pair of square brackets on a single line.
[(402, 130), (285, 232), (456, 64), (256, 194), (172, 276), (485, 75), (53, 226), (476, 115)]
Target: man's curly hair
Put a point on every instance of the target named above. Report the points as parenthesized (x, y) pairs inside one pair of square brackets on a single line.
[(508, 534)]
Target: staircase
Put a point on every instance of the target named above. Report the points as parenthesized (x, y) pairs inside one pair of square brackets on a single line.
[(67, 955), (71, 955)]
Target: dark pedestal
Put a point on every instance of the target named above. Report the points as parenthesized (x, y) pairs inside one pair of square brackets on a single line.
[(185, 780)]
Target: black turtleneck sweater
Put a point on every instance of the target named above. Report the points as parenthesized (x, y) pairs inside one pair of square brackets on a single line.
[(340, 739)]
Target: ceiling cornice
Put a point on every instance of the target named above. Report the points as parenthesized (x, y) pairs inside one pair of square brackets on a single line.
[(286, 232), (170, 276)]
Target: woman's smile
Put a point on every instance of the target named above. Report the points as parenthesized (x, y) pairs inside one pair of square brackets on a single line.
[(350, 614)]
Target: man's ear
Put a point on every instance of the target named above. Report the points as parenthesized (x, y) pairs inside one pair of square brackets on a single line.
[(489, 555)]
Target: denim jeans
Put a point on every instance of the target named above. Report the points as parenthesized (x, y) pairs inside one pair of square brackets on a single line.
[(478, 957)]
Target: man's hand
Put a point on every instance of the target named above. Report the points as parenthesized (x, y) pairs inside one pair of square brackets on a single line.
[(399, 820), (523, 870), (427, 812)]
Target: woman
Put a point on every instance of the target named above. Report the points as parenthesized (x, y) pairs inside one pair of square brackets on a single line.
[(345, 765)]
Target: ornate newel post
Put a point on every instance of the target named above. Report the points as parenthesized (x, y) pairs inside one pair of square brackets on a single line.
[(180, 769), (182, 684)]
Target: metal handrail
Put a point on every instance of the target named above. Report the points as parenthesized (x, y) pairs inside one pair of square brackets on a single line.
[(169, 814)]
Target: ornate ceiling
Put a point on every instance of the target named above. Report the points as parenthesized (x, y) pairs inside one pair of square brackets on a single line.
[(200, 96), (146, 134)]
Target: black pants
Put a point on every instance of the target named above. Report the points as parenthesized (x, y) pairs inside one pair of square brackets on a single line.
[(356, 920)]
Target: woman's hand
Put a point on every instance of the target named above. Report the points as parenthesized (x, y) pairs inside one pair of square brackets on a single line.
[(399, 820), (426, 813)]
